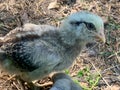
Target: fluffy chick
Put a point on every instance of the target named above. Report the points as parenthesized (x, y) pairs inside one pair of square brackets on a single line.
[(34, 51)]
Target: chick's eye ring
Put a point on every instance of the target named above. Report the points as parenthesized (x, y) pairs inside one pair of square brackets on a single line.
[(90, 26), (77, 23)]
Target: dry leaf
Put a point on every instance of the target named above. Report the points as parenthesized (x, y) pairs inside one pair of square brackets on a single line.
[(53, 5)]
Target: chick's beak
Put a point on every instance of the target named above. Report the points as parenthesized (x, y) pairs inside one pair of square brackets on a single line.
[(101, 36)]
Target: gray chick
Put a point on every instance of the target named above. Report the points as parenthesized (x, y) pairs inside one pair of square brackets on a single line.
[(34, 51), (63, 82)]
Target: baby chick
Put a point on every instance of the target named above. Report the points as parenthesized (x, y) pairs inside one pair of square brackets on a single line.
[(34, 51)]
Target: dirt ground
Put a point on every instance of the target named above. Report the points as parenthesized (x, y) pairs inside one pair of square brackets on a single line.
[(98, 67)]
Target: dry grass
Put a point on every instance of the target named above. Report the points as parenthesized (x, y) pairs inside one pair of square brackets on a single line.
[(102, 60)]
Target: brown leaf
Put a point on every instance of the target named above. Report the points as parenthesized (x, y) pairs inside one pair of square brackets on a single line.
[(53, 5)]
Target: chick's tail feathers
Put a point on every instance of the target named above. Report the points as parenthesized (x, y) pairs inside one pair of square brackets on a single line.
[(2, 55), (1, 41), (2, 52)]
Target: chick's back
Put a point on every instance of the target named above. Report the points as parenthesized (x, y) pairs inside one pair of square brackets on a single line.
[(29, 54)]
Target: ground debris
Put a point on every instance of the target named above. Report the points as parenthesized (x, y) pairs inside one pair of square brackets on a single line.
[(104, 58)]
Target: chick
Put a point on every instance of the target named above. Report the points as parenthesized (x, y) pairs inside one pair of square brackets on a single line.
[(34, 51), (64, 82)]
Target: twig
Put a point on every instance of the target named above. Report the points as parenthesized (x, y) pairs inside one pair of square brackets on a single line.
[(8, 79), (101, 75), (16, 86), (110, 68), (114, 54)]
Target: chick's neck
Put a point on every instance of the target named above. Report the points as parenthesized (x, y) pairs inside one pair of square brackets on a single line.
[(72, 46)]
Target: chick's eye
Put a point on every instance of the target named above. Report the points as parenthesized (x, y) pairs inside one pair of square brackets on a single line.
[(90, 26)]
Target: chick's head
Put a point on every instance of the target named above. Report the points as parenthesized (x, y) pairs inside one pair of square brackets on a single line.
[(83, 27)]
